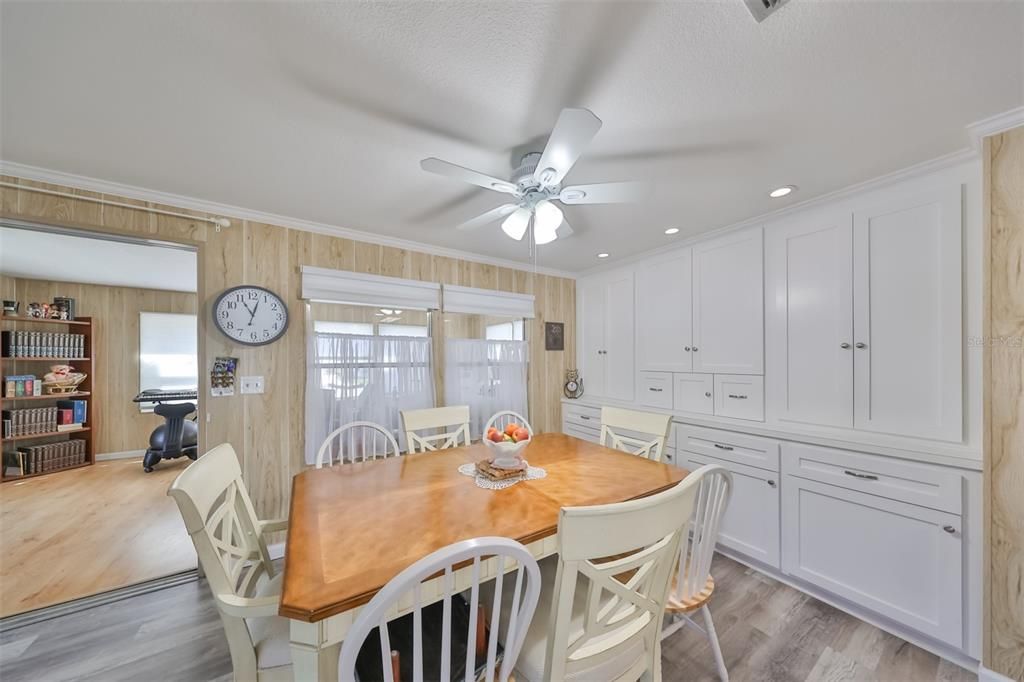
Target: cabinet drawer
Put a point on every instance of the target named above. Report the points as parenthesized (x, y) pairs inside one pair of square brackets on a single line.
[(739, 396), (902, 561), (656, 389), (582, 415), (751, 521), (583, 433), (911, 482), (734, 447), (694, 393)]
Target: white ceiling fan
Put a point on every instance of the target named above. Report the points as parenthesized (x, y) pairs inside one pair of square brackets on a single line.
[(537, 183)]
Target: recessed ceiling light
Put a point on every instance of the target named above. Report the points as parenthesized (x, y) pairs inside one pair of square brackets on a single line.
[(602, 255), (672, 230), (780, 192)]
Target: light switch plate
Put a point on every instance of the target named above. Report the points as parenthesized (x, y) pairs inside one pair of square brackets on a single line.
[(252, 384)]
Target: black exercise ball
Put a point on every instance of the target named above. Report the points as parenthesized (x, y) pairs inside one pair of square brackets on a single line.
[(189, 437)]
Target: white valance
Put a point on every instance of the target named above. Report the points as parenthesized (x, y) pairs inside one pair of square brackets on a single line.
[(341, 286), (487, 302)]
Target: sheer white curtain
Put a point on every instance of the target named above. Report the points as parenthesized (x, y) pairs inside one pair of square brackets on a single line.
[(486, 375), (354, 377)]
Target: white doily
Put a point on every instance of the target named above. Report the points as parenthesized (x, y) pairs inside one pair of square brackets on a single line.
[(531, 474)]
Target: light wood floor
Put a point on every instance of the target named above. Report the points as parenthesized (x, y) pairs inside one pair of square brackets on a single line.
[(768, 632), (85, 531)]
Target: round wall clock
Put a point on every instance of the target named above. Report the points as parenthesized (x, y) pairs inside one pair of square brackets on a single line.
[(250, 315)]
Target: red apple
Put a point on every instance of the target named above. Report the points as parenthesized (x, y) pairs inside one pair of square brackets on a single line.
[(496, 436), (511, 428), (521, 434)]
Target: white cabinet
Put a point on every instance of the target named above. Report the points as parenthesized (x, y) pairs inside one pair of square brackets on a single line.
[(907, 317), (739, 396), (899, 560), (728, 304), (656, 390), (606, 335), (663, 315), (809, 325), (864, 325), (694, 393), (751, 522)]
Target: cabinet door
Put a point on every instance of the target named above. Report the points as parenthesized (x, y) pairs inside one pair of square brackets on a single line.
[(751, 522), (620, 377), (728, 304), (899, 560), (908, 330), (694, 393), (663, 315), (739, 396), (810, 319), (590, 299)]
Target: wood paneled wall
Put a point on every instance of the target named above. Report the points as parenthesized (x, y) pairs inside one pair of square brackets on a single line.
[(267, 430), (1004, 404), (121, 427)]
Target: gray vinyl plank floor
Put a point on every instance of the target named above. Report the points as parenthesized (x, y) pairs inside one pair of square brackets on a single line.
[(768, 632)]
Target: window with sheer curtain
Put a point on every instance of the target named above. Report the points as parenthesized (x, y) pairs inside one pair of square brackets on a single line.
[(485, 366), (365, 364)]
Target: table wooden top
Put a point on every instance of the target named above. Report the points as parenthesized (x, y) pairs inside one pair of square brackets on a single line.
[(354, 527)]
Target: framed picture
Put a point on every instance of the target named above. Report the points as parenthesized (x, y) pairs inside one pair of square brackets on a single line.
[(554, 336)]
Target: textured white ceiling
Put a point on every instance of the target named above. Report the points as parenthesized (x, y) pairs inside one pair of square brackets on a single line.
[(322, 111), (84, 260)]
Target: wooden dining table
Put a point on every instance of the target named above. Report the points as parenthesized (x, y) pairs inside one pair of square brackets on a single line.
[(354, 527)]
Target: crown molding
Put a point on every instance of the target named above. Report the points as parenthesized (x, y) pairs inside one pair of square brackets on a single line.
[(213, 208), (917, 170), (994, 125)]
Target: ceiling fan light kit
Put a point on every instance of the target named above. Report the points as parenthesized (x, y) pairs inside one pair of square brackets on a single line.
[(537, 182)]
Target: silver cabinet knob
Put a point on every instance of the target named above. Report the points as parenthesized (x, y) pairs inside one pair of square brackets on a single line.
[(949, 529), (861, 345), (844, 345), (695, 349), (707, 394), (687, 349), (771, 483)]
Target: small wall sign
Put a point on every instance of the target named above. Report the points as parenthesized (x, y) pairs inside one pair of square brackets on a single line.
[(554, 336)]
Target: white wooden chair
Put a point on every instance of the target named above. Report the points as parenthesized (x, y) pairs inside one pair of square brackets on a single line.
[(604, 595), (500, 420), (453, 423), (407, 589), (228, 538), (356, 442), (619, 425), (693, 585)]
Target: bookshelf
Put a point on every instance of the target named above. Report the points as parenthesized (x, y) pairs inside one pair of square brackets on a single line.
[(38, 366)]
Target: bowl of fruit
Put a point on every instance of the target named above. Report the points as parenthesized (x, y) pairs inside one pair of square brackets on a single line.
[(508, 445)]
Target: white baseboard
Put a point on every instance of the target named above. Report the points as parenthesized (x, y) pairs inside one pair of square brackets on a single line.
[(986, 675), (127, 454)]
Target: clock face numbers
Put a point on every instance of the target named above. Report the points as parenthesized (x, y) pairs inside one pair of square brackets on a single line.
[(251, 315)]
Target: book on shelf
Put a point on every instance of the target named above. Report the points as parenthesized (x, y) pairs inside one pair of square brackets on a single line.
[(22, 385), (68, 427), (31, 421), (30, 344), (41, 459), (79, 409)]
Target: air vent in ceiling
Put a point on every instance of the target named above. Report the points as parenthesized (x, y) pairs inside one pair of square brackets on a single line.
[(761, 9)]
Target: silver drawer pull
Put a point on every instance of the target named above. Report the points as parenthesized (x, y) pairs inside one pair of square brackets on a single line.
[(949, 529), (734, 396), (722, 447), (771, 482), (866, 477), (656, 390), (582, 416)]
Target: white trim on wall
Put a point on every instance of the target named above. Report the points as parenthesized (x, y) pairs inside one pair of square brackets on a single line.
[(487, 302), (986, 675), (342, 286), (86, 183), (994, 125)]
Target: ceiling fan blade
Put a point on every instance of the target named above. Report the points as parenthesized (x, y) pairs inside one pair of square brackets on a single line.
[(487, 218), (451, 170), (573, 130), (564, 230), (602, 193)]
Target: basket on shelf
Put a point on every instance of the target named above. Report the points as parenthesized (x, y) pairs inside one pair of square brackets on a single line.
[(61, 379)]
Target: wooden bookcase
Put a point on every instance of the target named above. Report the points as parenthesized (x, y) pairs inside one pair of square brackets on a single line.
[(37, 366)]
